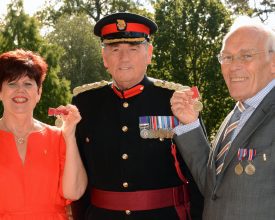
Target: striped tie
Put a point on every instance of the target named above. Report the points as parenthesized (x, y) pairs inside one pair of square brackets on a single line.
[(227, 136)]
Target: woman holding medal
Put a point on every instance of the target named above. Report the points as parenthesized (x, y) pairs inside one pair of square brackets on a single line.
[(41, 170), (237, 173)]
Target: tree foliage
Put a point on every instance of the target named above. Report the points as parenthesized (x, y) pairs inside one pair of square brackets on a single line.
[(188, 40), (239, 6), (255, 8), (264, 10), (21, 31), (95, 9), (81, 60)]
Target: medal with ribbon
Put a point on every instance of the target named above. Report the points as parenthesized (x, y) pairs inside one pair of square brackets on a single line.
[(144, 127), (198, 106), (250, 168), (241, 155), (157, 126), (57, 112)]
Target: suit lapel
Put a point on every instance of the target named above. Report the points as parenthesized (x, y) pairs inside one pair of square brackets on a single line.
[(255, 120)]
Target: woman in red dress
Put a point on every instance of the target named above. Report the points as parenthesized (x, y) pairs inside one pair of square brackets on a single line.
[(40, 167)]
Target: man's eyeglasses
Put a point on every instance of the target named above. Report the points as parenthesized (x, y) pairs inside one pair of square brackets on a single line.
[(244, 57)]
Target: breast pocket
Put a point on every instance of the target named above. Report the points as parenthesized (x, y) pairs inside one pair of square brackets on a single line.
[(263, 163)]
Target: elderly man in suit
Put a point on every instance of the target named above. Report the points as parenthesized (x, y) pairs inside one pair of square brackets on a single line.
[(236, 174)]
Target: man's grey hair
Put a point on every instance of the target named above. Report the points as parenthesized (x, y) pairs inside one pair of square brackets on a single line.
[(245, 21)]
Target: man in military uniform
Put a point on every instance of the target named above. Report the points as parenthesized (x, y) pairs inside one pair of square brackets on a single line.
[(125, 136)]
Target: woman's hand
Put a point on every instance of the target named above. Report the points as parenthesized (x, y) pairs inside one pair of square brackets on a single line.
[(70, 118), (74, 176)]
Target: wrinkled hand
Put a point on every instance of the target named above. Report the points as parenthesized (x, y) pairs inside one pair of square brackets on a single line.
[(70, 120), (182, 106)]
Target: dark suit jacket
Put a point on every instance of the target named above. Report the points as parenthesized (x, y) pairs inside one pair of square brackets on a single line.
[(150, 164), (232, 196)]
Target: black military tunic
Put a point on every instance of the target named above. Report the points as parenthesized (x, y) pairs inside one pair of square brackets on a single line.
[(118, 159)]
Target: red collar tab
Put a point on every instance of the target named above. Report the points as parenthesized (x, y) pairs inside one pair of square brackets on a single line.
[(130, 27), (128, 93)]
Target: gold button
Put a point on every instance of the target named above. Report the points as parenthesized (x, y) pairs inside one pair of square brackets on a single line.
[(125, 184), (124, 156), (128, 212), (124, 128), (125, 104), (87, 140)]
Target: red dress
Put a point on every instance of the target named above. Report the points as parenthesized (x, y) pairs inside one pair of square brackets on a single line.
[(33, 190)]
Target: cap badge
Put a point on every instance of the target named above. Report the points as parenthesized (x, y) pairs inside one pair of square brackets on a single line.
[(121, 25)]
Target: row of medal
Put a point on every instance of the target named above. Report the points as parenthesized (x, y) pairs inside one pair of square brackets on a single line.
[(157, 126), (249, 155)]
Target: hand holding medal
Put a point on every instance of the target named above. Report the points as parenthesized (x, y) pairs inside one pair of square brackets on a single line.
[(57, 113), (67, 118), (185, 104), (197, 105)]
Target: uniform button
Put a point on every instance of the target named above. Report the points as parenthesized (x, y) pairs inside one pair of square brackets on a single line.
[(124, 156), (125, 104), (124, 128), (128, 212), (87, 140), (125, 184)]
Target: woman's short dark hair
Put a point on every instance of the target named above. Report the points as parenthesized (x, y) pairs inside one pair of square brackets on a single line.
[(19, 63)]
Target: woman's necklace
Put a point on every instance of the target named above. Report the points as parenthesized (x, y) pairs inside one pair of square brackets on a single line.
[(18, 139)]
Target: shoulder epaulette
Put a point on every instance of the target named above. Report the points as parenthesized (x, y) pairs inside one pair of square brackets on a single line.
[(168, 85), (86, 87)]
